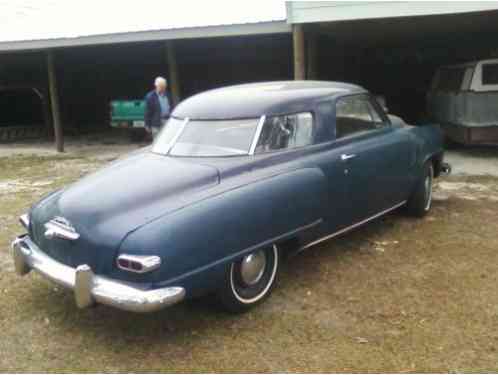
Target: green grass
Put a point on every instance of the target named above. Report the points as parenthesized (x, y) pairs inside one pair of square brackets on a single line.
[(399, 294)]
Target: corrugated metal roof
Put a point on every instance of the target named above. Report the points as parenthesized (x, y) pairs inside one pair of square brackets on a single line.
[(33, 23)]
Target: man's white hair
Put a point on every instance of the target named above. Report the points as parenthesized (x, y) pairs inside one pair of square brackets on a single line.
[(160, 81)]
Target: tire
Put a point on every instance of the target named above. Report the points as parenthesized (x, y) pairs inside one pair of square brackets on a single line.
[(250, 280), (420, 202)]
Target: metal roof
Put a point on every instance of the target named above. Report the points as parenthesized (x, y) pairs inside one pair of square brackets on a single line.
[(334, 11), (31, 24)]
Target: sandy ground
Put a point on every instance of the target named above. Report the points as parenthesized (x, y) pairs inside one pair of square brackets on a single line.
[(474, 161), (99, 146), (399, 294)]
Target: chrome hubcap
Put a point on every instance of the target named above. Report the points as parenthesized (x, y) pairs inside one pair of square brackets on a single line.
[(253, 267)]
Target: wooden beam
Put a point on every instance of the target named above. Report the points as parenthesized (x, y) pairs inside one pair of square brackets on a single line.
[(311, 60), (174, 79), (54, 102), (298, 47)]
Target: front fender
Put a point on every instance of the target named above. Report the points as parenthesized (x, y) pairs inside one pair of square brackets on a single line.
[(201, 239)]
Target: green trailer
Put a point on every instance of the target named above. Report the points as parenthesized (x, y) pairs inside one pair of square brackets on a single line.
[(129, 114)]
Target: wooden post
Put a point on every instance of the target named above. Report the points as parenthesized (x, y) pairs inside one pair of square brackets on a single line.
[(174, 80), (54, 102), (311, 72), (298, 46)]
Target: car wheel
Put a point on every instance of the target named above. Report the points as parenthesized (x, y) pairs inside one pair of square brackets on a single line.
[(250, 280), (421, 200)]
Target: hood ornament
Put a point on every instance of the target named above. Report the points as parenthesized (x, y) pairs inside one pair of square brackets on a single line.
[(60, 227)]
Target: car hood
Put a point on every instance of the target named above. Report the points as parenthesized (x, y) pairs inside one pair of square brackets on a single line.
[(131, 192)]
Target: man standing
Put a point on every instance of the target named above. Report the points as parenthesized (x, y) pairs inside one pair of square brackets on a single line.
[(157, 107)]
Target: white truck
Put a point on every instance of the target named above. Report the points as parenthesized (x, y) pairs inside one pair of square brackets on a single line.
[(464, 100)]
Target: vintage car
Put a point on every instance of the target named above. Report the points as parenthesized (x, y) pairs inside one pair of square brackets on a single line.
[(463, 99), (238, 177)]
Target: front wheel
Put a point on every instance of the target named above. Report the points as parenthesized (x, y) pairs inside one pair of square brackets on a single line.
[(421, 200), (250, 280)]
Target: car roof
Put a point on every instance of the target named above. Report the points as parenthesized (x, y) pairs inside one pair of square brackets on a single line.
[(264, 98)]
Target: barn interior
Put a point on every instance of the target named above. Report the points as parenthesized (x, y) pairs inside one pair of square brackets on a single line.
[(90, 77), (393, 57)]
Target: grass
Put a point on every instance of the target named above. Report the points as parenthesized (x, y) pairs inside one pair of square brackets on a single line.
[(397, 295)]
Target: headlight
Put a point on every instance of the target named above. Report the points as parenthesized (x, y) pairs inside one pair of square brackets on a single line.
[(138, 263), (24, 220)]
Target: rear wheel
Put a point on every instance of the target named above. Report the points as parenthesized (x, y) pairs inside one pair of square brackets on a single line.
[(421, 200), (250, 280)]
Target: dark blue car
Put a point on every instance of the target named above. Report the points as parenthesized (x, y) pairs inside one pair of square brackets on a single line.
[(238, 177)]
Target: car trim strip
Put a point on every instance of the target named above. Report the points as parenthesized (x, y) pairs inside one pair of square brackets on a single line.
[(347, 229), (255, 140)]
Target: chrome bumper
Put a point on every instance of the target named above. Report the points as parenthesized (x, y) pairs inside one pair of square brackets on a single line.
[(88, 287)]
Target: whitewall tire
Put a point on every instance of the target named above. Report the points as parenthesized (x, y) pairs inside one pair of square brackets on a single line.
[(250, 280)]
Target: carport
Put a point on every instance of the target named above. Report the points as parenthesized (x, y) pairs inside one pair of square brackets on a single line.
[(392, 49), (86, 61)]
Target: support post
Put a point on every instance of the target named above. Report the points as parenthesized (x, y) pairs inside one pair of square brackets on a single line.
[(311, 57), (54, 102), (174, 79), (299, 57)]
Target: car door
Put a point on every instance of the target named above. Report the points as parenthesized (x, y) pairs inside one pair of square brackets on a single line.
[(299, 131), (376, 160), (336, 210)]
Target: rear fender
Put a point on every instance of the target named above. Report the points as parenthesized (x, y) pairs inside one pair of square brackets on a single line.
[(196, 243), (429, 144)]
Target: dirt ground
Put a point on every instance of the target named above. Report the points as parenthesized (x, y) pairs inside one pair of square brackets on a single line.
[(398, 294)]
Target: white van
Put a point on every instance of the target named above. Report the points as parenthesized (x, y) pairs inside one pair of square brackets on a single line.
[(464, 100)]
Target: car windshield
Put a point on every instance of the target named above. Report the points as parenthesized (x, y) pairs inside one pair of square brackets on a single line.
[(197, 138)]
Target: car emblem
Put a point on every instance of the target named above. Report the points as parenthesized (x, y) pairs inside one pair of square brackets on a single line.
[(60, 227)]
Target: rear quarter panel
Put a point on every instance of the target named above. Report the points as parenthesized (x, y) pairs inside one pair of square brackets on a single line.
[(428, 140), (198, 242)]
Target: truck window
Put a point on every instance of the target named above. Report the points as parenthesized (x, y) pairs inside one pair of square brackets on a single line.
[(490, 74)]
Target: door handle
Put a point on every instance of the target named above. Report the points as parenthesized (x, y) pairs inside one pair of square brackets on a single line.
[(347, 156)]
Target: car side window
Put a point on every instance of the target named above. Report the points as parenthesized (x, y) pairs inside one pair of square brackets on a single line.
[(356, 115), (286, 132)]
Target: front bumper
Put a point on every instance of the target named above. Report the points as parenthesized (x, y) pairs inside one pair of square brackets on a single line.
[(90, 288)]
